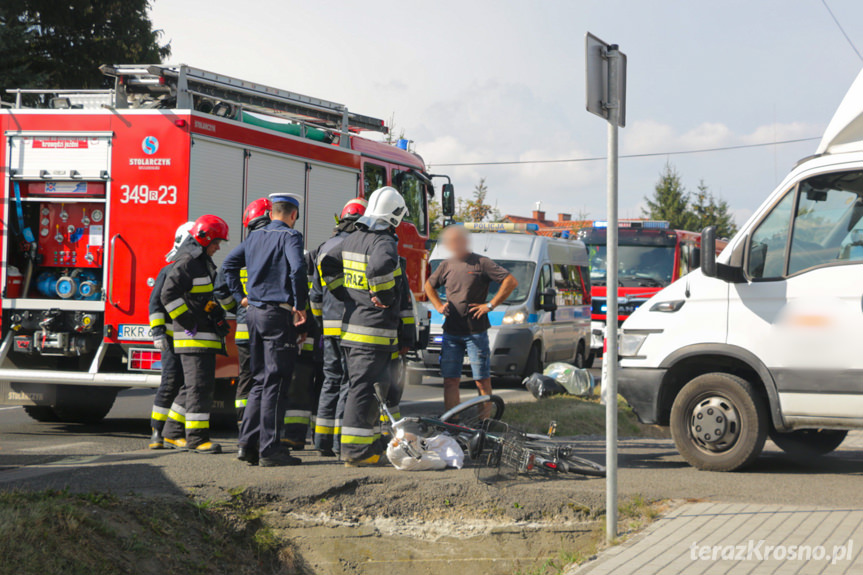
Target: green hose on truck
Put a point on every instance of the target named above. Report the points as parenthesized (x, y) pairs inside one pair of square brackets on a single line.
[(287, 128)]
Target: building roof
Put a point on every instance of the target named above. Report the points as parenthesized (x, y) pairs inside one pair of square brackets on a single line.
[(549, 227)]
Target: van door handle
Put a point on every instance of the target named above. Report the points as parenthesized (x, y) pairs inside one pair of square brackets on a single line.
[(111, 277)]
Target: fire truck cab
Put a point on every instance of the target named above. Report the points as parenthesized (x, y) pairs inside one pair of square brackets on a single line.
[(96, 181), (651, 257)]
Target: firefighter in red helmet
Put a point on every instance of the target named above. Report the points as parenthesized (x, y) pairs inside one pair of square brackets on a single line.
[(328, 312), (200, 328)]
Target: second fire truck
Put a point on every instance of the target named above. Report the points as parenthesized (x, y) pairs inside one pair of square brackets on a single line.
[(651, 257)]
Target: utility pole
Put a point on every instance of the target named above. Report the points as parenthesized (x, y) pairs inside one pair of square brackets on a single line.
[(606, 97)]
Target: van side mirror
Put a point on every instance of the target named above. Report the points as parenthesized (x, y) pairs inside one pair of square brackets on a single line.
[(728, 273), (548, 300), (708, 251), (447, 200)]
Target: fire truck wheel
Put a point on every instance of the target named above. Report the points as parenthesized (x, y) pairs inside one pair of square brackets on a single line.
[(41, 413), (84, 406)]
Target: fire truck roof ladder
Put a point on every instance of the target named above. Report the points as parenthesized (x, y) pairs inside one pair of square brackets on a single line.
[(187, 82)]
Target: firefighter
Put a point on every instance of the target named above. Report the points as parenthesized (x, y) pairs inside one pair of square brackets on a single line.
[(277, 295), (363, 272), (407, 341), (199, 329), (256, 216), (301, 393), (163, 339), (328, 312)]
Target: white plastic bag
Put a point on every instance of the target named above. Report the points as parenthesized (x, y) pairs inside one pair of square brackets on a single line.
[(574, 380), (438, 452)]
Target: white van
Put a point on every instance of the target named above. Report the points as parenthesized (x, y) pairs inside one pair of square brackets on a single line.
[(547, 317), (766, 338)]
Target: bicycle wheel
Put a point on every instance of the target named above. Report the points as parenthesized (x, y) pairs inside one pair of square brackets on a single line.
[(473, 411), (574, 464)]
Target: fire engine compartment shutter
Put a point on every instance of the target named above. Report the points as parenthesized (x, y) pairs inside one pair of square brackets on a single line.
[(329, 189), (271, 173), (216, 186), (60, 156)]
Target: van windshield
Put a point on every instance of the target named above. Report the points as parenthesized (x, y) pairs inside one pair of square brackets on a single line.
[(521, 271), (638, 266)]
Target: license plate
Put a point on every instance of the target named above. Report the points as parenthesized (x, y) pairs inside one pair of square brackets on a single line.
[(132, 332)]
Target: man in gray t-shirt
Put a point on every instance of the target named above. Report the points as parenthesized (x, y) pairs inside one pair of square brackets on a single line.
[(465, 277)]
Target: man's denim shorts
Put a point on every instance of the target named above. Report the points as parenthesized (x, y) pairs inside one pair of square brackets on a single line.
[(453, 348)]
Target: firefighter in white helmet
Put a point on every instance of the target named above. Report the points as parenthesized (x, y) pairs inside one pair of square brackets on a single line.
[(364, 272), (163, 339)]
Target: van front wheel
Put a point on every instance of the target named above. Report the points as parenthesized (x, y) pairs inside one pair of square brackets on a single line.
[(719, 422)]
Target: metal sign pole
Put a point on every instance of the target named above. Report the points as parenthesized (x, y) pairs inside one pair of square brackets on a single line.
[(613, 105)]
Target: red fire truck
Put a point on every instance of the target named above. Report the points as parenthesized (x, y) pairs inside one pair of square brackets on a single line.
[(96, 181), (651, 256)]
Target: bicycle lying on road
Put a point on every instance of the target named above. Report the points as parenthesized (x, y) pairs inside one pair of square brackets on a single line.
[(475, 424)]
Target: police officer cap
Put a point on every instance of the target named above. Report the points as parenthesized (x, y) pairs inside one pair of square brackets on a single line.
[(285, 198)]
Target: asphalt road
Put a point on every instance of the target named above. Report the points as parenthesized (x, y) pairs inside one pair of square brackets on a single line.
[(38, 455)]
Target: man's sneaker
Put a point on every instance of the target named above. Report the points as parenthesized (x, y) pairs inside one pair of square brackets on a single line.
[(250, 456), (294, 445), (156, 440), (327, 452), (373, 461), (280, 458), (175, 443), (208, 447)]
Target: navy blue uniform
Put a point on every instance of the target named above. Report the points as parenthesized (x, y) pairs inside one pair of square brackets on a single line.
[(276, 284)]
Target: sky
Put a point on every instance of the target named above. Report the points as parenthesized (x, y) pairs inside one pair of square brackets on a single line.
[(499, 80)]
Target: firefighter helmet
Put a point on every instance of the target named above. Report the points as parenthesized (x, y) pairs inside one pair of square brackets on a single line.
[(386, 208), (208, 228), (257, 213), (179, 236), (354, 209)]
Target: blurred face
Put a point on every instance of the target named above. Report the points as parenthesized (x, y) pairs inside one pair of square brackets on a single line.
[(456, 241), (213, 247)]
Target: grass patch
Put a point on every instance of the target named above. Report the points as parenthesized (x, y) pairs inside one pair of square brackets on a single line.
[(59, 532), (576, 416)]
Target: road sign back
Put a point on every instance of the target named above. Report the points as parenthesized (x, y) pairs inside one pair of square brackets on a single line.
[(596, 79)]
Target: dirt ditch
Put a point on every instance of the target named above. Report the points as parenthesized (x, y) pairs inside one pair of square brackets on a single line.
[(432, 522)]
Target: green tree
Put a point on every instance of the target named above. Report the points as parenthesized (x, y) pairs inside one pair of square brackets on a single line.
[(60, 44), (670, 201), (477, 209), (706, 211), (435, 219)]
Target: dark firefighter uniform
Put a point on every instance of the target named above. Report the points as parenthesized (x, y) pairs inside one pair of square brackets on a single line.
[(188, 298), (276, 284), (172, 370), (328, 311), (407, 341), (366, 265), (241, 339)]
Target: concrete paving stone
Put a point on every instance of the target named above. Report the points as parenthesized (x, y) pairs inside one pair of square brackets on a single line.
[(666, 548)]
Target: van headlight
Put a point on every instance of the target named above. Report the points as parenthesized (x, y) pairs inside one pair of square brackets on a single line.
[(514, 317), (630, 343)]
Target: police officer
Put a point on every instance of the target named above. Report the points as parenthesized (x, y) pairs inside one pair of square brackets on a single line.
[(277, 295), (199, 329), (163, 339), (256, 216), (302, 392), (328, 311), (363, 272)]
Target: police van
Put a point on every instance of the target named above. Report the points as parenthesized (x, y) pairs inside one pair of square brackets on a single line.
[(547, 317), (764, 340)]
